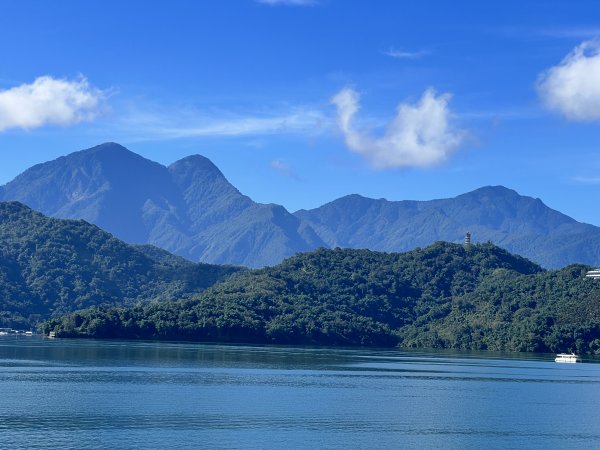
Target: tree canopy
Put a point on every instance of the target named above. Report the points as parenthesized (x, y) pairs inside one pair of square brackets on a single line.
[(51, 267), (442, 296)]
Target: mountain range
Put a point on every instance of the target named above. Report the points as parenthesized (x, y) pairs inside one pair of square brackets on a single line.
[(189, 208)]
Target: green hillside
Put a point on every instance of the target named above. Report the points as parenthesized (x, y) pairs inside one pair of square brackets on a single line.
[(443, 296), (52, 266)]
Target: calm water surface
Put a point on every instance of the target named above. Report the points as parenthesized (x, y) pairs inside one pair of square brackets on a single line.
[(96, 394)]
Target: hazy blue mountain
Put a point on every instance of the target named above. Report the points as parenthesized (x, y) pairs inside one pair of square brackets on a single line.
[(522, 225), (228, 227), (106, 185), (188, 208)]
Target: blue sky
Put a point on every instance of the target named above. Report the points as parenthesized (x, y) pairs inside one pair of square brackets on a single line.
[(300, 102)]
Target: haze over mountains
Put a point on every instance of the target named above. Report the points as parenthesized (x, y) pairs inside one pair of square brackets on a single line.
[(520, 224), (190, 209)]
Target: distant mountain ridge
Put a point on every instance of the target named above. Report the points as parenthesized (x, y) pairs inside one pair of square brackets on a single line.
[(189, 208), (520, 224)]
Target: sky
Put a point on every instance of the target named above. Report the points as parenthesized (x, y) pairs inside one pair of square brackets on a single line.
[(300, 102)]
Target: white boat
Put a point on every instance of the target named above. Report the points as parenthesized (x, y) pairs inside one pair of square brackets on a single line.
[(566, 358)]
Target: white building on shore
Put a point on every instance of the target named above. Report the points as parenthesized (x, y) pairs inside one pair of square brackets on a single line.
[(593, 273)]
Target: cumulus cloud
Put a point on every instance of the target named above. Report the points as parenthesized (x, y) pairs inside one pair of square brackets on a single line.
[(420, 135), (49, 101), (572, 88)]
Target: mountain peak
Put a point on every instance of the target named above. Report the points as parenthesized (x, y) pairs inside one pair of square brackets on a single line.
[(198, 165), (496, 196), (196, 159), (108, 153), (495, 190), (107, 146), (200, 173)]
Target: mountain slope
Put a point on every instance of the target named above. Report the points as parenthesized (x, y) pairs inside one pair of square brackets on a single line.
[(106, 185), (321, 297), (520, 224), (188, 208), (52, 266), (226, 226)]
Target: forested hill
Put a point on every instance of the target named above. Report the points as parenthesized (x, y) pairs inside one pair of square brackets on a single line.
[(53, 266), (444, 296)]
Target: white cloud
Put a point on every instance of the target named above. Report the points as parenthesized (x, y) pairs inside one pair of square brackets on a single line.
[(555, 32), (399, 54), (163, 124), (572, 88), (284, 169), (420, 135), (570, 33), (586, 180), (288, 2), (49, 101), (300, 121)]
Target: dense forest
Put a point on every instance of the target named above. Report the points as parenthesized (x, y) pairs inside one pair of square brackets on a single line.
[(442, 296), (50, 267), (86, 283)]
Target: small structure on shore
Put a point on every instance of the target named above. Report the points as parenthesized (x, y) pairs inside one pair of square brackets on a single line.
[(11, 331), (595, 273)]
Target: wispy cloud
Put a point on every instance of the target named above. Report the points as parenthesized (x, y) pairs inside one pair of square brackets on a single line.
[(284, 169), (572, 87), (255, 143), (557, 32), (164, 125), (288, 2), (400, 54), (586, 180), (571, 33), (419, 135), (49, 101)]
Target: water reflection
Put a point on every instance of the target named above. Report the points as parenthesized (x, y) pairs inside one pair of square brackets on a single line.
[(99, 394)]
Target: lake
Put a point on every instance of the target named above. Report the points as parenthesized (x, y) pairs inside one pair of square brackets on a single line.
[(107, 394)]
